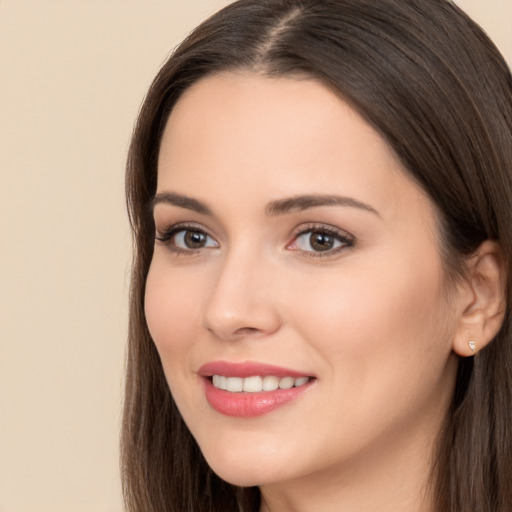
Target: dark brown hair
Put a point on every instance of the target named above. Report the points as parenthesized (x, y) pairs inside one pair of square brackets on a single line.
[(433, 84)]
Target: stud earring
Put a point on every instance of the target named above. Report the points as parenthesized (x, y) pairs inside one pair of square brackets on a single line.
[(472, 345)]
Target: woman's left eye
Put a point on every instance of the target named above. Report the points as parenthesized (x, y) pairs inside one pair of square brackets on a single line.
[(320, 240)]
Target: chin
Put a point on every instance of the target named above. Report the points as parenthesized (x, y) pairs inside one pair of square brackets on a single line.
[(246, 477), (240, 478), (245, 469)]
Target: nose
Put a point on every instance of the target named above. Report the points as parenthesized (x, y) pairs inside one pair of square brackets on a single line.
[(243, 302)]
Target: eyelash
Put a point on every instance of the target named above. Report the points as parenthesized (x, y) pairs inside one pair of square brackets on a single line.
[(347, 241), (167, 236)]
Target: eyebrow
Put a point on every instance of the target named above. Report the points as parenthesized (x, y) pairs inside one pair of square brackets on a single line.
[(181, 201), (274, 208), (304, 202)]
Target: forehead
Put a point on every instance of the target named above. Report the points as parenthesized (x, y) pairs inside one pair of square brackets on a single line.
[(283, 136), (251, 107)]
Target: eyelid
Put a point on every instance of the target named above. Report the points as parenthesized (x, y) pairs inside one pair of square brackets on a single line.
[(348, 240), (167, 235), (173, 228)]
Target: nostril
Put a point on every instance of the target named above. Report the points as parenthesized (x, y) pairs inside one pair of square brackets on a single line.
[(246, 330)]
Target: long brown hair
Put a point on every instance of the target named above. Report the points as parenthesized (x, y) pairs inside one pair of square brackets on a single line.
[(433, 84)]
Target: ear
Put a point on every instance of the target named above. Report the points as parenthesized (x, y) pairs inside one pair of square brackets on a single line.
[(483, 300)]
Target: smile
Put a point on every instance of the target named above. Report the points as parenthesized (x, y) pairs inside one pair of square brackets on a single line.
[(251, 389), (256, 384)]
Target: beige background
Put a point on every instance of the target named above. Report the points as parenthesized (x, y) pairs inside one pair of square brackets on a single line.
[(72, 76)]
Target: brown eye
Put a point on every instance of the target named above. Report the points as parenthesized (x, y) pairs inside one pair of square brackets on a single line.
[(179, 238), (194, 239), (316, 241), (321, 241)]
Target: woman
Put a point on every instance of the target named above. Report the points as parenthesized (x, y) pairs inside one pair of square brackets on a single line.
[(320, 198)]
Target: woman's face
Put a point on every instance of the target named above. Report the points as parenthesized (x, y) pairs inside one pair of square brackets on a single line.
[(293, 250)]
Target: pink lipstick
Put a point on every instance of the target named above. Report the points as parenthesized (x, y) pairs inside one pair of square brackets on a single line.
[(251, 389)]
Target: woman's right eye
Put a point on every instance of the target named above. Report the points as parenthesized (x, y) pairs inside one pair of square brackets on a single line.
[(182, 239)]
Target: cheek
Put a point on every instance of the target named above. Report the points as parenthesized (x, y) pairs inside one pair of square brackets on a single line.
[(172, 309), (378, 322), (173, 314), (385, 339)]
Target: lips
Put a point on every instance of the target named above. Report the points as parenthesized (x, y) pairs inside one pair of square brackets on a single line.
[(251, 389)]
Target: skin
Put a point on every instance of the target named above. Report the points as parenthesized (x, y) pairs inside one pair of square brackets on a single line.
[(371, 321)]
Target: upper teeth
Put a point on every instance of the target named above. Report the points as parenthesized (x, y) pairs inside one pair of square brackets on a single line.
[(256, 384)]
